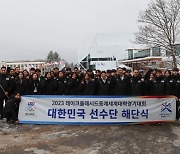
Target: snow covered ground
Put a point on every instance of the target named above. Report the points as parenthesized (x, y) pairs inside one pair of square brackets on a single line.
[(45, 139)]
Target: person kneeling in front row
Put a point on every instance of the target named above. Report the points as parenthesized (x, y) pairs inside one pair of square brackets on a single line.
[(12, 108)]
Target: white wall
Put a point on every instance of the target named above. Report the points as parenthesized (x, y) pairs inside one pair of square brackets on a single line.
[(104, 65)]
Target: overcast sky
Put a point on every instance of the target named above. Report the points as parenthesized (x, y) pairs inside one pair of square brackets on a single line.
[(29, 29)]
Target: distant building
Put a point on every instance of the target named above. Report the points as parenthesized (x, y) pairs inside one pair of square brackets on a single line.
[(151, 58), (27, 65), (98, 63), (24, 65)]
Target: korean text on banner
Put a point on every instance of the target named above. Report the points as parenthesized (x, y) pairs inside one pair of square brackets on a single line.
[(96, 110)]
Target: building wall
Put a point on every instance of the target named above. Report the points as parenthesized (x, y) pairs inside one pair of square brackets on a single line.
[(24, 65), (104, 65)]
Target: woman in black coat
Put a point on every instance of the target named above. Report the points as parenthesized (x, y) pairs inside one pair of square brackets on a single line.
[(149, 83), (34, 85), (20, 84), (86, 86), (73, 85), (48, 84)]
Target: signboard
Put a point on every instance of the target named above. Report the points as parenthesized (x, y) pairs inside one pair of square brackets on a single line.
[(96, 109)]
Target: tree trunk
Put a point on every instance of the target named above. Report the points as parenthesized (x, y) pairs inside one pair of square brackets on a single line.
[(174, 60), (174, 55)]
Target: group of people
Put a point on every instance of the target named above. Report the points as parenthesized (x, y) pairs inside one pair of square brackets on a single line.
[(120, 82)]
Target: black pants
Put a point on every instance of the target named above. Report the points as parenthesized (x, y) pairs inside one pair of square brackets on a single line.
[(10, 114)]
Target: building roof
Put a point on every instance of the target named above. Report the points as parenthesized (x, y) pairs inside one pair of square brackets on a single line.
[(144, 59)]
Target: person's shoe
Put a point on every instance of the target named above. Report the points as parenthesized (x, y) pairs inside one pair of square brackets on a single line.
[(16, 122)]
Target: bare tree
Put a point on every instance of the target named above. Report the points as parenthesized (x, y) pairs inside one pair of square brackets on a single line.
[(159, 26)]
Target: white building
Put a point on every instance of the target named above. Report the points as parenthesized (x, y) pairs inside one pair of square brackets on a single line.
[(27, 65), (102, 52), (24, 65)]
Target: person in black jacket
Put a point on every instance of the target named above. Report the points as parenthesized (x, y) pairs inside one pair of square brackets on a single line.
[(56, 73), (11, 108), (128, 74), (137, 84), (170, 84), (31, 72), (20, 84), (26, 74), (73, 85), (149, 82), (12, 73), (47, 85), (176, 79), (12, 81), (147, 75), (98, 74), (103, 85), (40, 76), (17, 70), (91, 73), (159, 85), (60, 84), (121, 83), (86, 87), (34, 85), (5, 88)]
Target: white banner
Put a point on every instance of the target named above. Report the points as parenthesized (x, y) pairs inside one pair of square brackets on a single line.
[(96, 110)]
